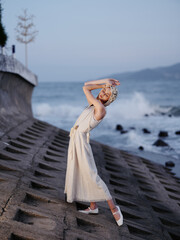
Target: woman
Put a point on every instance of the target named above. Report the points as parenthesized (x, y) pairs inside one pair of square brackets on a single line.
[(82, 181)]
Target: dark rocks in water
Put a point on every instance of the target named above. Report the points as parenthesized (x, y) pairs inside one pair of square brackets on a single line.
[(119, 127), (145, 130), (163, 114), (177, 132), (141, 148), (163, 134), (132, 128), (175, 111), (169, 164), (160, 143), (169, 115), (124, 131), (146, 115)]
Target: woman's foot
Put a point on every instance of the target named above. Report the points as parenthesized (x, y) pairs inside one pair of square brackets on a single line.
[(92, 207), (90, 211), (87, 209), (117, 215)]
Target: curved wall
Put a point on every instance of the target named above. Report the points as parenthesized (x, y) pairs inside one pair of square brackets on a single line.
[(15, 93)]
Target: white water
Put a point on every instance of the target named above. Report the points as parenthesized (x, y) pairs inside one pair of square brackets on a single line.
[(129, 109)]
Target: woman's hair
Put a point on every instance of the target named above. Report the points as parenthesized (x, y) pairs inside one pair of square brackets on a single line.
[(114, 93), (113, 96)]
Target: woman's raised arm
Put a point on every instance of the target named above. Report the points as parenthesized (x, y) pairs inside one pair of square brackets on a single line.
[(90, 98), (95, 84), (103, 81)]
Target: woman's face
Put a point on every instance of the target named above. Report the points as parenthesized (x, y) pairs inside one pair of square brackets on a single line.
[(105, 94)]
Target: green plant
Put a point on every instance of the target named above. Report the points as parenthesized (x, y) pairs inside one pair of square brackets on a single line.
[(3, 35)]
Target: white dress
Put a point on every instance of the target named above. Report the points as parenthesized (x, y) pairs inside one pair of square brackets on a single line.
[(82, 182)]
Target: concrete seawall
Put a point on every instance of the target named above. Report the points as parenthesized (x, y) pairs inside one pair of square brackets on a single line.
[(16, 86), (33, 158)]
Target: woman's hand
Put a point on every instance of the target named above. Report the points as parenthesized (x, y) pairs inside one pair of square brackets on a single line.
[(112, 82)]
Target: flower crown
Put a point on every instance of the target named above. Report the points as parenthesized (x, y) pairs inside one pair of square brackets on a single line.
[(114, 93)]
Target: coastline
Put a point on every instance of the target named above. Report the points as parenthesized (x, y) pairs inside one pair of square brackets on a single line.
[(137, 112)]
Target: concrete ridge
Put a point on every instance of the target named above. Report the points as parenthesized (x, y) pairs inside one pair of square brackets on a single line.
[(33, 159)]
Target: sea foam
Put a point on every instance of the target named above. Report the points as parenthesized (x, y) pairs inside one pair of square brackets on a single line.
[(133, 107)]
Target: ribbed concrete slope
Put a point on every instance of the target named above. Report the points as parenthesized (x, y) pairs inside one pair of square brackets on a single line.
[(33, 159)]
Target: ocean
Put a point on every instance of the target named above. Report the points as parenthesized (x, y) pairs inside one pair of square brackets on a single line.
[(154, 105)]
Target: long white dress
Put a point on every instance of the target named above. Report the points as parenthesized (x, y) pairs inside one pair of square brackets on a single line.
[(82, 182)]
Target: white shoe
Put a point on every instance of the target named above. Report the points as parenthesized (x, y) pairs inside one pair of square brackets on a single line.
[(90, 211), (120, 221)]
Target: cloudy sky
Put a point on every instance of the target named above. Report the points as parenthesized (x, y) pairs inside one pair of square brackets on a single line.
[(81, 40)]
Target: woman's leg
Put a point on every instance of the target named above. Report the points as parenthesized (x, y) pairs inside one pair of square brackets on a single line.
[(113, 208), (93, 205)]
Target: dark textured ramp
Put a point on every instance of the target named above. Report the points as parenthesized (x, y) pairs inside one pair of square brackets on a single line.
[(33, 159)]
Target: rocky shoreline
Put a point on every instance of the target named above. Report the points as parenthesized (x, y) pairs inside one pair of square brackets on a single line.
[(160, 142)]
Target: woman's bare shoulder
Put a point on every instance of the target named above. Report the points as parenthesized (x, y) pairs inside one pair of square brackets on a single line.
[(99, 112)]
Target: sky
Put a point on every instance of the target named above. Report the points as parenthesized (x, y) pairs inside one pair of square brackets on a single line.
[(81, 40)]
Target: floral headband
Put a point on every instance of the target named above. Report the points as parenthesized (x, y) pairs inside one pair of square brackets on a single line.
[(114, 93)]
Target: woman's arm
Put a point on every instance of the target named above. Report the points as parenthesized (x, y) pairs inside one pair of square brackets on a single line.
[(110, 81), (90, 98), (95, 84), (99, 111)]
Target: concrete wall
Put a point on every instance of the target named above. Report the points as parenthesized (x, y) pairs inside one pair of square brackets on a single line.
[(15, 94), (16, 87)]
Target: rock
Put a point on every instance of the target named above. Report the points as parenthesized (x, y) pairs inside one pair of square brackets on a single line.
[(169, 115), (145, 130), (119, 127), (170, 164), (146, 115), (132, 128), (141, 148), (177, 132), (163, 134), (160, 143), (124, 131)]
